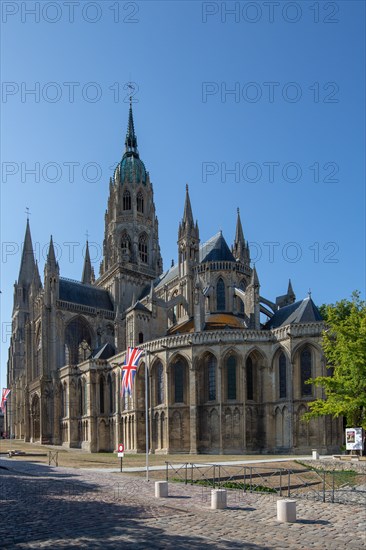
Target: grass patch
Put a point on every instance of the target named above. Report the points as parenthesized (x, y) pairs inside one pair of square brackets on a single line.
[(341, 477), (227, 485)]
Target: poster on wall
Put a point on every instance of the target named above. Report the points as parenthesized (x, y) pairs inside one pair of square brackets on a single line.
[(354, 439)]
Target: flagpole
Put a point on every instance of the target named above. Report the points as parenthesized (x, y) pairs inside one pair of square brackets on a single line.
[(147, 368)]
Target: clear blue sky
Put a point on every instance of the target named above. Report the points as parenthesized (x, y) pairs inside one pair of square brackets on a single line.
[(293, 130)]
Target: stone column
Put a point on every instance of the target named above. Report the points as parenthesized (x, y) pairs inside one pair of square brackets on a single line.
[(244, 385), (192, 373), (219, 398), (167, 393), (291, 420)]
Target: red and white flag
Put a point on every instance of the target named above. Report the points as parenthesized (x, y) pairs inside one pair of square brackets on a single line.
[(129, 369), (4, 397)]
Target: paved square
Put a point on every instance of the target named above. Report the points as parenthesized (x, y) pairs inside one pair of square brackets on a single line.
[(48, 507)]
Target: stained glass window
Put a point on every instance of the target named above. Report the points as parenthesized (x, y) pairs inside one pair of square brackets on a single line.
[(231, 377)]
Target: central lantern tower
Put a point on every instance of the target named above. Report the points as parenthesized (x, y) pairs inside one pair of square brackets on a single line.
[(131, 252)]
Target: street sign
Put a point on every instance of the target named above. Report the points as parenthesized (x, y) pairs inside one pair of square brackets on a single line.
[(121, 455), (121, 447)]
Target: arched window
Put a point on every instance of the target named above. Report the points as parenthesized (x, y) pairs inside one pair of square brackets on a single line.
[(101, 395), (305, 372), (85, 398), (39, 354), (80, 400), (249, 372), (282, 375), (126, 200), (110, 394), (159, 384), (125, 243), (178, 371), (140, 202), (64, 400), (78, 340), (231, 377), (211, 364), (220, 295), (143, 248), (241, 304)]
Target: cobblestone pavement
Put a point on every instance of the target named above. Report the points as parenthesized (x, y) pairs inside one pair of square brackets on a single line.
[(48, 507)]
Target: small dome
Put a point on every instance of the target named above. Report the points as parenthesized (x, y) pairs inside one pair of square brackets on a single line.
[(132, 169)]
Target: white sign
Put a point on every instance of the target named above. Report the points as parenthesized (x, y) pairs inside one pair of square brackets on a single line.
[(354, 440), (120, 455)]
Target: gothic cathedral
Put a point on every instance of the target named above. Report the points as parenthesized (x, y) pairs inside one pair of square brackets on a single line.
[(219, 380)]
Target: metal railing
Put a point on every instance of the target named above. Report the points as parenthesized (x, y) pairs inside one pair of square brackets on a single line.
[(335, 486)]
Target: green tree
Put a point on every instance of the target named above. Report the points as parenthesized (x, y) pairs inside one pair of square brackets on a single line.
[(344, 345)]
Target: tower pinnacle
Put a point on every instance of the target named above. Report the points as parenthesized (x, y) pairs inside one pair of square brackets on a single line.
[(27, 263), (131, 138), (86, 277)]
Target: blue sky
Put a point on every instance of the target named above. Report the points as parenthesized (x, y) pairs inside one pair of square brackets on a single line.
[(261, 109)]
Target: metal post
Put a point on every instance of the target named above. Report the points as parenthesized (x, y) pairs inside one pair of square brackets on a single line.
[(280, 482), (166, 472), (121, 464), (333, 473), (147, 368), (288, 483), (185, 474), (324, 486)]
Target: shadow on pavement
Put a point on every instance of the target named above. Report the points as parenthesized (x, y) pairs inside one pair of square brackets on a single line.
[(38, 506)]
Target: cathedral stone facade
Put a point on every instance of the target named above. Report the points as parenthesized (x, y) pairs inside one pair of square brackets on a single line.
[(219, 380)]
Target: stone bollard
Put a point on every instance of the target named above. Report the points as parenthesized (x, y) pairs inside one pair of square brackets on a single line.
[(218, 499), (315, 454), (161, 489), (286, 511)]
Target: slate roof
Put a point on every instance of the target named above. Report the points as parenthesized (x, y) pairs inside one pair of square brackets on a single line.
[(213, 250), (216, 250), (304, 311), (139, 306), (103, 352), (86, 295)]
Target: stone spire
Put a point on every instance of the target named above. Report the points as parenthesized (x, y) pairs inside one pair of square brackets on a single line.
[(290, 291), (27, 264), (239, 249), (51, 257), (87, 275), (131, 138), (187, 215), (187, 225), (291, 296), (188, 241), (254, 278), (36, 281)]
